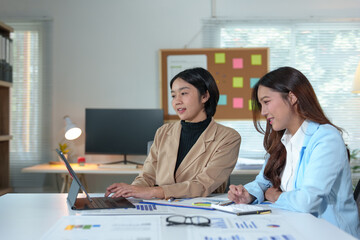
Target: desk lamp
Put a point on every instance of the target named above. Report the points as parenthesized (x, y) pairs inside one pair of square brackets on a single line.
[(356, 83), (71, 131)]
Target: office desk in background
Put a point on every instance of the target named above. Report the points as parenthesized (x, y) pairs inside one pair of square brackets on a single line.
[(91, 168), (30, 216), (88, 168)]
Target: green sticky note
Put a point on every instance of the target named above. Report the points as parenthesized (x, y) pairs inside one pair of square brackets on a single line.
[(238, 82), (222, 100), (219, 57), (256, 59), (250, 104)]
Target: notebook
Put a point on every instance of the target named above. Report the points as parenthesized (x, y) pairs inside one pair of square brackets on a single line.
[(89, 203)]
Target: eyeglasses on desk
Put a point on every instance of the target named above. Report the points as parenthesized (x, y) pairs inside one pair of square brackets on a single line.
[(185, 220)]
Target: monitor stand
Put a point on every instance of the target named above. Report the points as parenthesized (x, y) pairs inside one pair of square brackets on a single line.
[(125, 161)]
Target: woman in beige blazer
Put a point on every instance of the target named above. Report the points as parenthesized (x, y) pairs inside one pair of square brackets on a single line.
[(190, 158)]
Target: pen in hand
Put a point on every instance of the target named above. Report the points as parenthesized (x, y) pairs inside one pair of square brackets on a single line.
[(226, 203), (171, 199), (254, 212)]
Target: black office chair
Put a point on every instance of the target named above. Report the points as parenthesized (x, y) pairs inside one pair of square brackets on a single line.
[(357, 195)]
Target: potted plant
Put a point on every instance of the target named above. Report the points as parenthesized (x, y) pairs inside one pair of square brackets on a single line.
[(64, 149)]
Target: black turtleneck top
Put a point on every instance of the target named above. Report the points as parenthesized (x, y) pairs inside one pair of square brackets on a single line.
[(190, 133)]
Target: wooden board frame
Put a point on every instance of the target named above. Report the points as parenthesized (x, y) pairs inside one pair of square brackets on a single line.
[(235, 71)]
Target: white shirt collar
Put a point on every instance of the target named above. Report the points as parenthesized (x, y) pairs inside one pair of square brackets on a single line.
[(298, 138)]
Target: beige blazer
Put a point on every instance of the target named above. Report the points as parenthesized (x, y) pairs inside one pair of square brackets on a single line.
[(204, 170)]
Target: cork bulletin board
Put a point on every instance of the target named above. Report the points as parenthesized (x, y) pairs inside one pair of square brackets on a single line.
[(236, 71)]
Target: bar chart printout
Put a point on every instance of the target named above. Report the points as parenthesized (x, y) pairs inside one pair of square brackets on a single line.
[(240, 237), (248, 228)]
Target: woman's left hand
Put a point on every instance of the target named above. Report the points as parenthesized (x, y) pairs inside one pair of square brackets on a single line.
[(272, 194), (126, 190)]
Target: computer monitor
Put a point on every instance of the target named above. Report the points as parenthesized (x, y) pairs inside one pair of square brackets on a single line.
[(120, 131)]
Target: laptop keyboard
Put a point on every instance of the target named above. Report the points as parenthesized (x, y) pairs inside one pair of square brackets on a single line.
[(103, 203)]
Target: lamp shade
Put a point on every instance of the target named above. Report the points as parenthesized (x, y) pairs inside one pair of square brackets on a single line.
[(71, 131), (356, 84)]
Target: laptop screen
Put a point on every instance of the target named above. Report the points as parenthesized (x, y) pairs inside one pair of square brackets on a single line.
[(73, 189)]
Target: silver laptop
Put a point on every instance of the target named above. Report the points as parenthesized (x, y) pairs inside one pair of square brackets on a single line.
[(89, 203)]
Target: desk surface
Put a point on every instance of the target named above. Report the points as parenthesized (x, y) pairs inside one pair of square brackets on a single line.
[(30, 216), (91, 168), (88, 168)]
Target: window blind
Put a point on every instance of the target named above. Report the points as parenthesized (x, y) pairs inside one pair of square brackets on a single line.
[(30, 105), (327, 53)]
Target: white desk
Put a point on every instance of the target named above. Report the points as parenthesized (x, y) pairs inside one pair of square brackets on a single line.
[(91, 168), (29, 216), (88, 168)]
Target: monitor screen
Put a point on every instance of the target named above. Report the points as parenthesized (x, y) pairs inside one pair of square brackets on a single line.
[(120, 131)]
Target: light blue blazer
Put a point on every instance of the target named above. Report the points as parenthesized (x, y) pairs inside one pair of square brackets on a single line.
[(322, 181)]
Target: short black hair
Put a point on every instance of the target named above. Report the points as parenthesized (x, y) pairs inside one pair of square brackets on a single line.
[(203, 81)]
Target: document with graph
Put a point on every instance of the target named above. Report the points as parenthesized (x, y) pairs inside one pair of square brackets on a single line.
[(240, 209)]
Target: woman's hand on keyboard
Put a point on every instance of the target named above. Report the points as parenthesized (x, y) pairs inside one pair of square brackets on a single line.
[(126, 190)]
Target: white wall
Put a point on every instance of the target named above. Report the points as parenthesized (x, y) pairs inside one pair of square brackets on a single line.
[(105, 53), (291, 9)]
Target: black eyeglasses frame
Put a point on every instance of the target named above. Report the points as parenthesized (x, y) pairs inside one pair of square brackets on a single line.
[(185, 222)]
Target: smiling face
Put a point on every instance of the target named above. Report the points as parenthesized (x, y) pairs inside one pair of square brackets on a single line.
[(187, 102), (279, 112)]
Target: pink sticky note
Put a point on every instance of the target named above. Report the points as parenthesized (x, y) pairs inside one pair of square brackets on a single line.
[(238, 63), (237, 102)]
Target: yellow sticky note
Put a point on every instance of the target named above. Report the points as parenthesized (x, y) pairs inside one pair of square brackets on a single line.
[(250, 104), (238, 82), (256, 59), (219, 57)]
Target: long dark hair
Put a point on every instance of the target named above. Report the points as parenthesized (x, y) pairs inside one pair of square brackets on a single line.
[(203, 81), (285, 80)]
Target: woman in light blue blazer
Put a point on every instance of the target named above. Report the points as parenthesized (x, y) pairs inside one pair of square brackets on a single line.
[(307, 167)]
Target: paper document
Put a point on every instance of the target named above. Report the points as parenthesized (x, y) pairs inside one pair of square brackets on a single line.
[(241, 209), (105, 227), (250, 227), (140, 209), (199, 202)]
